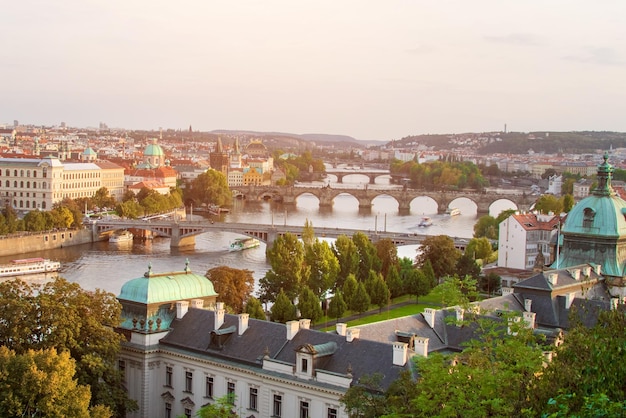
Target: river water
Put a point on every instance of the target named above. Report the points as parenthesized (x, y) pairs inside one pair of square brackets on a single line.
[(108, 266)]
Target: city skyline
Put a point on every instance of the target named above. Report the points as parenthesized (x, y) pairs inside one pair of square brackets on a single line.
[(370, 70)]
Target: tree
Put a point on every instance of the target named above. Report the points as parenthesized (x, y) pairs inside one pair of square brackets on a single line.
[(568, 202), (364, 399), (429, 273), (62, 316), (210, 187), (102, 199), (549, 204), (418, 284), (450, 292), (220, 408), (254, 308), (394, 282), (323, 267), (368, 257), (387, 253), (234, 286), (41, 383), (286, 256), (337, 306), (486, 226), (348, 256), (379, 293), (309, 305), (490, 283), (441, 253), (479, 249), (308, 234), (360, 301), (466, 266), (283, 309)]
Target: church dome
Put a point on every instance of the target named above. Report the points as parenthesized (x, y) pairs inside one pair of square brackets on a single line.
[(167, 287), (153, 150)]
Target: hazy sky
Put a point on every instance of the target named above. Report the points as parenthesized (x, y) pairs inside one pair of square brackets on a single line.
[(369, 69)]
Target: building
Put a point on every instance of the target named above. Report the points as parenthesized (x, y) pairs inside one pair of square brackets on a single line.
[(581, 189), (183, 351), (526, 240)]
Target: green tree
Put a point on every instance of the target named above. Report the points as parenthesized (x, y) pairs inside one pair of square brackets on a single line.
[(283, 310), (210, 188), (466, 266), (62, 316), (568, 202), (221, 408), (234, 286), (487, 227), (323, 267), (548, 203), (360, 301), (429, 273), (41, 383), (308, 234), (479, 249), (286, 257), (441, 253), (349, 289), (490, 283), (254, 308), (348, 256), (309, 305), (394, 282), (35, 221), (368, 256), (337, 306), (387, 253), (102, 199), (418, 284), (379, 292), (365, 399)]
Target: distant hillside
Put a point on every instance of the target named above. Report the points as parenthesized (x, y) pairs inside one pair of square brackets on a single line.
[(339, 141)]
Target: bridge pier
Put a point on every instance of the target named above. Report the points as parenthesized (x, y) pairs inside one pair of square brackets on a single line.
[(177, 241)]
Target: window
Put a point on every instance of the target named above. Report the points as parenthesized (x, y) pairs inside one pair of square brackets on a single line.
[(168, 376), (208, 390), (230, 391), (187, 413), (188, 381), (305, 365), (253, 398), (277, 411), (168, 410), (332, 413), (304, 409), (121, 366)]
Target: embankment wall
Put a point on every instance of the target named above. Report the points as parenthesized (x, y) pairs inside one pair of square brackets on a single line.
[(28, 242)]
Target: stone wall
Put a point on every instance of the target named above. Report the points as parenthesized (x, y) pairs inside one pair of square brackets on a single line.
[(28, 242)]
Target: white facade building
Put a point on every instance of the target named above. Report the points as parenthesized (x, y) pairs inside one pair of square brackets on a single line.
[(523, 237)]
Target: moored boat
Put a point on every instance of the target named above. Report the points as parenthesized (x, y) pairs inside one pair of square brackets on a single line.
[(124, 236), (453, 211), (426, 221), (26, 266), (240, 244)]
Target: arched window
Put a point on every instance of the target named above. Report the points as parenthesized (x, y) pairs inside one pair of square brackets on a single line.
[(43, 185), (8, 172), (14, 173), (34, 204), (15, 184), (43, 205), (27, 204), (27, 173), (21, 204), (8, 183), (34, 173), (28, 184), (21, 184), (45, 172), (21, 173), (588, 216)]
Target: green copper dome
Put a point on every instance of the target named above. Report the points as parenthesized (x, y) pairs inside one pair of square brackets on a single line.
[(153, 150), (168, 287)]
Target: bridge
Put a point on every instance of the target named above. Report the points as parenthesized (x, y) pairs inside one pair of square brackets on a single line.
[(366, 194), (372, 174), (182, 232)]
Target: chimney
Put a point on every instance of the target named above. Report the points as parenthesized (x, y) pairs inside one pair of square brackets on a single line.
[(352, 334), (182, 306), (598, 269), (429, 316), (341, 328), (243, 322), (197, 303), (305, 323), (529, 319), (569, 298), (459, 316), (399, 353), (421, 346), (575, 274), (587, 271), (219, 314), (507, 291), (292, 329), (527, 304), (552, 278)]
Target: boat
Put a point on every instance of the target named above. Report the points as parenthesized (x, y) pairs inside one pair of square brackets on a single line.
[(124, 236), (426, 221), (453, 211), (26, 266), (240, 244)]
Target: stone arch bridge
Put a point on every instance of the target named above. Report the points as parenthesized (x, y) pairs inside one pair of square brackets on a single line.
[(365, 196)]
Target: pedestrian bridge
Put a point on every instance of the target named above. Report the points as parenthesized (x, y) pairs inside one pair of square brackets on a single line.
[(182, 233)]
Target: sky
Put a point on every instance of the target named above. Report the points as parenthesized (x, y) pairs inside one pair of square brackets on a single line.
[(373, 70)]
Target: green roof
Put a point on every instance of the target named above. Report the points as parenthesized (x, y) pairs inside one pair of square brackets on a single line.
[(153, 149), (167, 287), (602, 216)]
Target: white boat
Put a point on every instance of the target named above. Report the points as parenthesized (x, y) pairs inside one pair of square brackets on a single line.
[(241, 244), (426, 221), (124, 236), (26, 266), (453, 211)]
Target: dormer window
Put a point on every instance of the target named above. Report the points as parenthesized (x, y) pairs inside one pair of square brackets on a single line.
[(305, 365), (588, 216)]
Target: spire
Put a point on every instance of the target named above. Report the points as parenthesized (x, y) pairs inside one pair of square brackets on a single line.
[(605, 171), (219, 147)]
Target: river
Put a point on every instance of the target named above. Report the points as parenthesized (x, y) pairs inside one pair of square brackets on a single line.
[(108, 266)]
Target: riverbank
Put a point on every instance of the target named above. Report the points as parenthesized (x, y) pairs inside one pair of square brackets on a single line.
[(30, 242)]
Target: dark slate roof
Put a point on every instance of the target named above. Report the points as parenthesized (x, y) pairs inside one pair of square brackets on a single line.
[(193, 333)]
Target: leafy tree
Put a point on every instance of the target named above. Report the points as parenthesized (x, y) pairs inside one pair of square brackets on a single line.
[(418, 284), (349, 289), (441, 253), (286, 256), (504, 215), (323, 267), (428, 271), (102, 199), (466, 266), (368, 256), (364, 399), (348, 256), (567, 202), (449, 292), (490, 283), (63, 316), (548, 203), (337, 306), (41, 383), (309, 305), (487, 227), (222, 408), (360, 302), (387, 253), (379, 292), (210, 187), (308, 234), (130, 209), (234, 286), (35, 221), (283, 310), (254, 308), (479, 249), (394, 282)]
